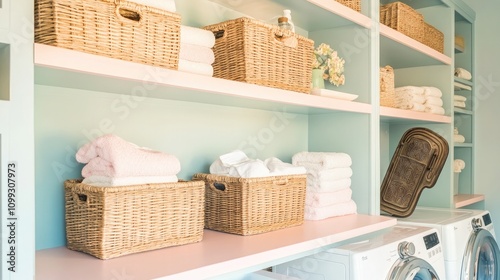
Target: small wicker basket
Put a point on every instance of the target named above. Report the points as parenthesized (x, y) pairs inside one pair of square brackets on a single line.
[(387, 91), (433, 38), (249, 206), (247, 50), (109, 222), (116, 29), (353, 4), (404, 19)]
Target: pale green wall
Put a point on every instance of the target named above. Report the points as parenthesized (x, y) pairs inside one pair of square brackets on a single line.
[(67, 118), (488, 104)]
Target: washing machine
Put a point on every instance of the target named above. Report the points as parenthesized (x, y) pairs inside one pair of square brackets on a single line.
[(401, 252), (469, 245)]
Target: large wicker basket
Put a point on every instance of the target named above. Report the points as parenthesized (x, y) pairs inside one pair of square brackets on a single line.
[(249, 206), (117, 29), (387, 90), (433, 37), (404, 19), (108, 222), (247, 50), (353, 4)]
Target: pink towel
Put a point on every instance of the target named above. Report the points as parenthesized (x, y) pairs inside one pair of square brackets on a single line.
[(119, 158), (105, 181), (322, 160), (316, 199), (321, 186), (334, 210)]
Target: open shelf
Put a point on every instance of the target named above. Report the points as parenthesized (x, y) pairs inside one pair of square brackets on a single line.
[(217, 255), (394, 115), (462, 200)]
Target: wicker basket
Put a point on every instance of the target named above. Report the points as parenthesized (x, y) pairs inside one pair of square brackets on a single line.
[(254, 205), (433, 38), (460, 42), (247, 50), (353, 4), (387, 91), (404, 19), (124, 30), (108, 222)]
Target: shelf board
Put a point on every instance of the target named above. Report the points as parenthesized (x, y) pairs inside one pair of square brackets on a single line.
[(462, 111), (462, 145), (401, 51), (394, 115), (72, 69), (463, 81), (218, 253), (462, 200), (459, 49)]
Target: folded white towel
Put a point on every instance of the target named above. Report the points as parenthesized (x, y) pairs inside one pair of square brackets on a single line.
[(119, 158), (167, 5), (331, 174), (418, 107), (438, 110), (459, 104), (197, 36), (334, 210), (410, 89), (406, 96), (326, 160), (317, 199), (195, 68), (458, 165), (277, 167), (253, 168), (322, 186), (105, 181), (432, 91), (432, 100), (459, 98), (196, 53), (457, 138), (462, 73)]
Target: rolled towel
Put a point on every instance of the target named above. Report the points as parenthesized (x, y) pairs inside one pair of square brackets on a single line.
[(167, 5), (195, 68), (438, 110), (324, 186), (410, 89), (462, 73), (196, 53), (418, 107), (432, 100), (455, 130), (457, 138), (459, 104), (458, 165), (325, 160), (127, 159), (317, 199), (432, 91), (197, 36), (459, 98), (334, 210), (105, 181), (277, 167)]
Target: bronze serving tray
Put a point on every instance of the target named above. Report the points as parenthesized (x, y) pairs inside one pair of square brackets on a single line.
[(415, 165)]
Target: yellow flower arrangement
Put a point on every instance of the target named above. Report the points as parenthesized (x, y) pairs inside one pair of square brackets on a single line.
[(327, 59)]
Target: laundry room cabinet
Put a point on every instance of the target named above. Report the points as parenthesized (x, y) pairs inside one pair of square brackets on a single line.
[(74, 97)]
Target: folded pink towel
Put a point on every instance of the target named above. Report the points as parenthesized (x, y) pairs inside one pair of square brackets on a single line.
[(324, 160), (105, 181), (196, 53), (316, 199), (119, 158), (334, 210)]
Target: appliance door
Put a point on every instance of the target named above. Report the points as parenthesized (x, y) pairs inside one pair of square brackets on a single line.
[(412, 268), (481, 257)]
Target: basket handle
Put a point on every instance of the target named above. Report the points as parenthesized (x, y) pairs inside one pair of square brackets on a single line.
[(81, 199), (281, 182), (284, 37), (131, 14), (218, 187)]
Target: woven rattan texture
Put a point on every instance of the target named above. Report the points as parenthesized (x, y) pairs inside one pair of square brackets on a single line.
[(247, 50), (387, 91), (433, 37), (404, 19), (249, 206), (108, 222), (124, 30), (353, 4)]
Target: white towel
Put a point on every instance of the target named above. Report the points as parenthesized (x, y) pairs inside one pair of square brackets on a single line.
[(322, 186), (459, 98), (432, 100), (458, 165), (432, 91), (167, 5), (195, 68), (254, 168), (197, 36), (106, 181), (455, 130), (462, 73), (418, 107), (277, 167), (317, 199), (457, 138), (438, 110), (325, 160), (410, 89), (196, 53), (459, 104), (331, 174), (335, 210), (406, 96)]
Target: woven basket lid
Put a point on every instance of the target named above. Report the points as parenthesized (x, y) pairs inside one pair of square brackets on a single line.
[(415, 165)]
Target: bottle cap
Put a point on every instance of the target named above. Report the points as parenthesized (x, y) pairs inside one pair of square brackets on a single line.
[(282, 19)]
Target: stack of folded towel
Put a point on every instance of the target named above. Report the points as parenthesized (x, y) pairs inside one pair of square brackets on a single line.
[(328, 191), (237, 164), (459, 101), (462, 73), (111, 161), (410, 98), (457, 138), (433, 100), (196, 54)]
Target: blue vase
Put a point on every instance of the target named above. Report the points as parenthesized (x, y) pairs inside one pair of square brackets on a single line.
[(317, 78)]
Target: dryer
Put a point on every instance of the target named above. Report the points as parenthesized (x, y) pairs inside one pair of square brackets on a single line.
[(402, 252), (469, 245)]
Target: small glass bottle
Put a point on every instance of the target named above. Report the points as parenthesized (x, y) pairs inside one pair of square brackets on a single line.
[(283, 23), (288, 14)]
